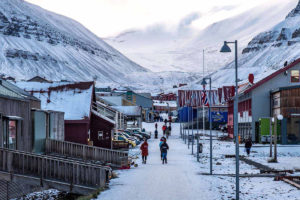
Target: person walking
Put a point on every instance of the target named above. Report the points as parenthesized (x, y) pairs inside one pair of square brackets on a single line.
[(162, 139), (164, 150), (167, 132), (248, 145), (155, 125), (155, 134), (144, 149), (170, 129), (164, 127)]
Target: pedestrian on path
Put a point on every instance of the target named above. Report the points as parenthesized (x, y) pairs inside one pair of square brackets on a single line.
[(162, 139), (167, 132), (155, 134), (248, 145), (164, 150), (170, 129), (164, 127), (144, 149), (155, 126)]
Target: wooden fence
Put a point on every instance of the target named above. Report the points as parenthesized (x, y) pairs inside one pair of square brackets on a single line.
[(53, 168), (85, 152)]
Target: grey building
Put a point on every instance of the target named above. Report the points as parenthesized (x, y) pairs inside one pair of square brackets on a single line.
[(255, 101)]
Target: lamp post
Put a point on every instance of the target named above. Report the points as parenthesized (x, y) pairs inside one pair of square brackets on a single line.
[(226, 49), (210, 121)]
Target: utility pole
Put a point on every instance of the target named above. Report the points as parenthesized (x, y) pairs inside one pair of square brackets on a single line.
[(203, 108)]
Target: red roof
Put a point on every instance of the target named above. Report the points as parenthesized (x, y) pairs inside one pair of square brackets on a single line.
[(266, 79)]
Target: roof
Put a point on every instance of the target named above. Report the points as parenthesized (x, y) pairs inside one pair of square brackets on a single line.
[(146, 95), (285, 88), (72, 98), (39, 79), (128, 110), (11, 90), (171, 104), (266, 79)]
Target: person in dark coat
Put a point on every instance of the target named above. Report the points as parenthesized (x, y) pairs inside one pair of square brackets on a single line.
[(164, 150), (155, 134), (144, 149), (170, 129), (167, 132), (155, 125), (165, 121), (248, 145)]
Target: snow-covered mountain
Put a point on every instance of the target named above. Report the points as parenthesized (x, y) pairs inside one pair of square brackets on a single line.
[(268, 51), (161, 48), (37, 42)]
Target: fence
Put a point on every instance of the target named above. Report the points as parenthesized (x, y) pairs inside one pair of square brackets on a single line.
[(85, 152), (53, 168), (10, 190)]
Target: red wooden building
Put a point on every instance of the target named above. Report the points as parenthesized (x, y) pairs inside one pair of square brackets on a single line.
[(165, 97), (83, 121)]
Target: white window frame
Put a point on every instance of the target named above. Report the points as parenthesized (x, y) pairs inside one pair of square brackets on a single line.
[(100, 135)]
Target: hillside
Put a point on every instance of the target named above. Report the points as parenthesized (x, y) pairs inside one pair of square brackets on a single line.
[(37, 42), (180, 49), (267, 51)]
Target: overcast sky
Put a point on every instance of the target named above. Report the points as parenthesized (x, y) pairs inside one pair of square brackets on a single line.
[(110, 17)]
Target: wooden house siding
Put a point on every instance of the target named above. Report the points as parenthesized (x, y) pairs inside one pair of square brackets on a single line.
[(77, 131), (99, 124), (20, 108)]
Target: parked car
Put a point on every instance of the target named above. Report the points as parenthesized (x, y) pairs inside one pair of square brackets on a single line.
[(147, 136), (129, 137), (140, 137), (124, 138)]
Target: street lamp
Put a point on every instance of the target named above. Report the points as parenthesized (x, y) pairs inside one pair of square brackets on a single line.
[(226, 49), (210, 121)]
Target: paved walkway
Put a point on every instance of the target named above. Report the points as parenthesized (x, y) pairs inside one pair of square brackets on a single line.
[(179, 179)]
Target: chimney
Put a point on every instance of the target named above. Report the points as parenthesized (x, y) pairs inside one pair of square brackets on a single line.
[(251, 78)]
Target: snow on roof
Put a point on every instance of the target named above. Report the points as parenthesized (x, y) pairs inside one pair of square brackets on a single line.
[(172, 104), (74, 99), (128, 110)]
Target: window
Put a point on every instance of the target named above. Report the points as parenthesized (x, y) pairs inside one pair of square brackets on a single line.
[(100, 135), (294, 76), (10, 134)]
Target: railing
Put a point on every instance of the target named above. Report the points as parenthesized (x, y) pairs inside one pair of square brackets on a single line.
[(85, 152), (53, 168), (103, 111)]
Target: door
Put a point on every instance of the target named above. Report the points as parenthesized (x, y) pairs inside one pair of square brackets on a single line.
[(39, 131)]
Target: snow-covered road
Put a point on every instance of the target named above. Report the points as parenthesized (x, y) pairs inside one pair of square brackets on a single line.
[(181, 178), (154, 181)]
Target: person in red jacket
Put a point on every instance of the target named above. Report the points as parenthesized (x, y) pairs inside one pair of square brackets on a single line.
[(164, 129), (144, 149)]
